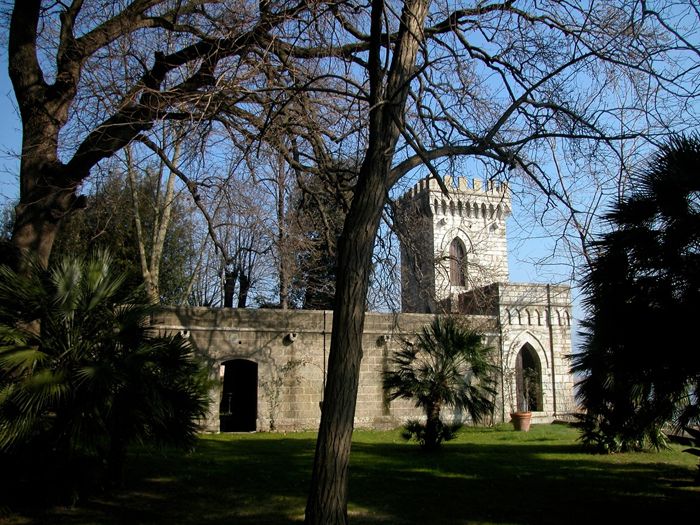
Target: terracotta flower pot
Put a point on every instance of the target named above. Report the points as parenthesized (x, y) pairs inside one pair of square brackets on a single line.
[(521, 420)]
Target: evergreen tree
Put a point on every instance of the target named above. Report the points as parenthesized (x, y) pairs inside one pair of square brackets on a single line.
[(318, 216), (107, 222), (639, 367)]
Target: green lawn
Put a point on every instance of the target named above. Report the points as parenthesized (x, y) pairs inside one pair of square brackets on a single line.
[(484, 476)]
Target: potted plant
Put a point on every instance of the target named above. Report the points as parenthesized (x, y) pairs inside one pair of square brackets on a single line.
[(521, 420), (521, 414)]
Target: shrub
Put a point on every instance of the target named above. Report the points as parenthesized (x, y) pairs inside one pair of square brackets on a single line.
[(449, 366), (82, 376)]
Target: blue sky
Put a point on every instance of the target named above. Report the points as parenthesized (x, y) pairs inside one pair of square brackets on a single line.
[(10, 136)]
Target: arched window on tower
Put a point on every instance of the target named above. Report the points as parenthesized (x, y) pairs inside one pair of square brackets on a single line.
[(458, 259)]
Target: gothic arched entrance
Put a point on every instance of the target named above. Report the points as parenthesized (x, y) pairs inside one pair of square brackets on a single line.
[(238, 411), (528, 375)]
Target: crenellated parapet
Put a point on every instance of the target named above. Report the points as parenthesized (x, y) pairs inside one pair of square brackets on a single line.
[(458, 185), (467, 198)]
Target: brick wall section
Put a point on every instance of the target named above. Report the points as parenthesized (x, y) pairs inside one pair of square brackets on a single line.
[(263, 336)]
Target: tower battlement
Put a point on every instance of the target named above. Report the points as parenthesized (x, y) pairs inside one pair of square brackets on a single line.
[(467, 198), (459, 186)]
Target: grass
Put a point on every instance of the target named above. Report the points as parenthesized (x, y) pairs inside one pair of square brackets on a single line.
[(485, 476)]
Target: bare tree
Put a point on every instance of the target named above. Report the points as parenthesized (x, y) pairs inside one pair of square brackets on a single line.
[(243, 230), (56, 48), (388, 92), (498, 83), (398, 84), (162, 205)]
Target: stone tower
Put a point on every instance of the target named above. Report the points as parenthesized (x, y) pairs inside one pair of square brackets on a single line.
[(454, 259), (451, 244)]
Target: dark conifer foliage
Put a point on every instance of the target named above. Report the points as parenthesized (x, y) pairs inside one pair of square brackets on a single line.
[(640, 365)]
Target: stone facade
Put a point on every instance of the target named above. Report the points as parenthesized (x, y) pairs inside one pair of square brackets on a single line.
[(474, 217), (274, 338), (268, 367), (536, 318)]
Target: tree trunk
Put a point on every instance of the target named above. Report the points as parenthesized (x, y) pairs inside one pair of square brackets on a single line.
[(432, 427), (328, 495), (230, 278), (47, 193), (37, 222), (327, 503), (282, 248), (47, 189), (243, 289), (162, 206)]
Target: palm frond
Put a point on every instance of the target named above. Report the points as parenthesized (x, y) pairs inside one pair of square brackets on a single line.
[(447, 366), (81, 374)]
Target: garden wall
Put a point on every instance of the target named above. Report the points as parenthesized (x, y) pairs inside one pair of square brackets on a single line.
[(287, 351)]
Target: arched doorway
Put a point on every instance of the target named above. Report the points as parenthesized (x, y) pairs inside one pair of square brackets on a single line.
[(238, 411), (528, 374)]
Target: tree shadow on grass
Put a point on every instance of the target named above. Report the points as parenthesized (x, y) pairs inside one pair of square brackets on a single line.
[(264, 479), (247, 480), (514, 483)]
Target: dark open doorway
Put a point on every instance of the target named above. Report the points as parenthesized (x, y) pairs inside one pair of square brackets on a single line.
[(239, 401), (528, 380)]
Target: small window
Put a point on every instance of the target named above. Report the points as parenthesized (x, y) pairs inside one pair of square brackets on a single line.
[(458, 259)]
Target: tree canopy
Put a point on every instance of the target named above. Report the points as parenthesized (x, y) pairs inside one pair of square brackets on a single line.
[(107, 222), (639, 368)]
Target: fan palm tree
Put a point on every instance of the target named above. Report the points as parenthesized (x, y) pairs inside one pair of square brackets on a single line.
[(643, 294), (448, 366), (81, 374)]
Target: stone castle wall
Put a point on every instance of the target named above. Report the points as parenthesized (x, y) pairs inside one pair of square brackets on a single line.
[(286, 351), (274, 338)]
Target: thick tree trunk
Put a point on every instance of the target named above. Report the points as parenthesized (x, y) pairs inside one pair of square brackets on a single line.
[(47, 195), (47, 190), (328, 495), (36, 225), (327, 502)]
